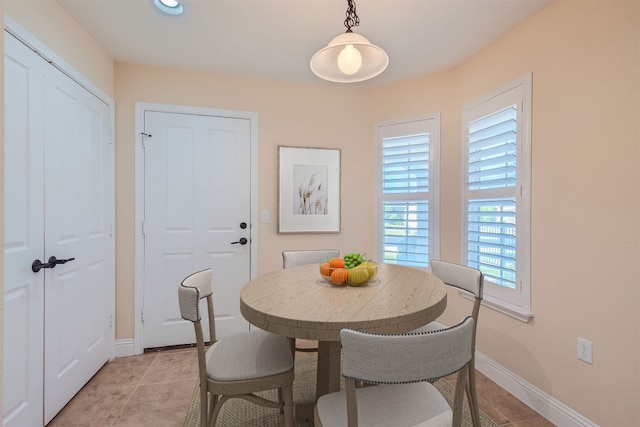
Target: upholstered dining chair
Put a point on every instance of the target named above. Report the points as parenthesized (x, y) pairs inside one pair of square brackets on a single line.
[(239, 365), (469, 280), (302, 257), (401, 365)]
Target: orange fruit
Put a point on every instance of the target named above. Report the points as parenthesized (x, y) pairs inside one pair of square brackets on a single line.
[(325, 269), (339, 276), (336, 263)]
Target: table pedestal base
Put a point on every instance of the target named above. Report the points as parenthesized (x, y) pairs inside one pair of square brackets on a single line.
[(327, 377), (329, 367), (304, 411)]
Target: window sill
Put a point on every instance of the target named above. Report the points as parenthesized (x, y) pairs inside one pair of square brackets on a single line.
[(500, 306)]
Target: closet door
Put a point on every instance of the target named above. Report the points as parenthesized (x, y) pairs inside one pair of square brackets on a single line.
[(78, 228), (58, 203), (23, 236)]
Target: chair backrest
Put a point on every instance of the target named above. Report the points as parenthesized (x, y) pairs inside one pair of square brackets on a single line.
[(192, 289), (302, 257), (402, 358), (462, 277)]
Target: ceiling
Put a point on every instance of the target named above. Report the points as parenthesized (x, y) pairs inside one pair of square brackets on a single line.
[(275, 39)]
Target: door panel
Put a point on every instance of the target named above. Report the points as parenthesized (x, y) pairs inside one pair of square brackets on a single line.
[(23, 241), (197, 192), (76, 197)]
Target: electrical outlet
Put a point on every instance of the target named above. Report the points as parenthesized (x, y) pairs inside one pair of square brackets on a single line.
[(585, 350)]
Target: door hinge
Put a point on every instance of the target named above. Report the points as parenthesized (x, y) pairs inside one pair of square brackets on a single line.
[(142, 316), (110, 137), (111, 320), (142, 227), (111, 230), (144, 137)]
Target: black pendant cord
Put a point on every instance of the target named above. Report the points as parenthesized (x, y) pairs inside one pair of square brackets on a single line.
[(352, 17)]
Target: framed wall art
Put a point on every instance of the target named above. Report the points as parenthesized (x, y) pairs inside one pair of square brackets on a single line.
[(308, 190)]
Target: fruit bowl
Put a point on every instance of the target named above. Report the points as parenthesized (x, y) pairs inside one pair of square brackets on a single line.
[(355, 276)]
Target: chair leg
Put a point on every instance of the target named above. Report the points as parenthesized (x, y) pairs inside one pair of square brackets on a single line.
[(472, 395), (280, 399), (215, 410), (204, 405), (292, 345), (287, 399), (458, 396)]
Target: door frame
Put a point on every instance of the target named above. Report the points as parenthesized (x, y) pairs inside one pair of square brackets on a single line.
[(141, 107)]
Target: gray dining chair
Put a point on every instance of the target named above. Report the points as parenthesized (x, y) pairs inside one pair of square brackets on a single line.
[(401, 365), (239, 365), (471, 281), (293, 258), (302, 257)]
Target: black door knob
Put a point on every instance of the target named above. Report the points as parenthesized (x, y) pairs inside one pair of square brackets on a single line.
[(242, 241)]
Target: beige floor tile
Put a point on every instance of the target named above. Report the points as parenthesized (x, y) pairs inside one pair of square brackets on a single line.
[(159, 404), (93, 406), (123, 371), (173, 366)]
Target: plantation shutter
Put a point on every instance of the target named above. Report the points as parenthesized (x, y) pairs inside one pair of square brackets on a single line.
[(405, 204), (491, 202)]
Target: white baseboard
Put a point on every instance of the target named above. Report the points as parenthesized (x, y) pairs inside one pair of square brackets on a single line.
[(550, 408), (125, 347)]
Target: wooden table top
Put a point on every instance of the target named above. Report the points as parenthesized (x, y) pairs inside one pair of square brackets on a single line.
[(297, 302)]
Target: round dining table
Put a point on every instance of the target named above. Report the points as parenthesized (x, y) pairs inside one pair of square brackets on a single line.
[(297, 302)]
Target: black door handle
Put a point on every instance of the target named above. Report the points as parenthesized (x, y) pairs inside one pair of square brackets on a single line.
[(242, 241), (53, 261), (38, 265)]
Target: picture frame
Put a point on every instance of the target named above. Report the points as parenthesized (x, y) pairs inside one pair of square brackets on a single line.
[(308, 190)]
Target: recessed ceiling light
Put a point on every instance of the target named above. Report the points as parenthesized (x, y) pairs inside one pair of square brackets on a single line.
[(170, 7)]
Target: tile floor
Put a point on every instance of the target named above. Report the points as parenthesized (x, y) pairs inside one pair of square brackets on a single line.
[(154, 389)]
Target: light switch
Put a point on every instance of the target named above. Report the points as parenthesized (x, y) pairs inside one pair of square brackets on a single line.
[(266, 217)]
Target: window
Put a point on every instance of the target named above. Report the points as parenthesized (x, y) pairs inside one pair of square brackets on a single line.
[(408, 156), (497, 195)]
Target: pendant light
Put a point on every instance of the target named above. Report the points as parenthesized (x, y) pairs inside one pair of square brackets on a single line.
[(349, 57), (170, 7)]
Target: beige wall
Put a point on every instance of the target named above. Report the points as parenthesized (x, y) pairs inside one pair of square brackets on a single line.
[(288, 114), (585, 61), (47, 21)]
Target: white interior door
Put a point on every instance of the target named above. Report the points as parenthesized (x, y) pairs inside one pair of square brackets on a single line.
[(58, 203), (23, 237), (197, 191), (77, 226)]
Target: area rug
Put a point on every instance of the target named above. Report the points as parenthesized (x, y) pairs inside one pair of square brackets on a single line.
[(238, 412)]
